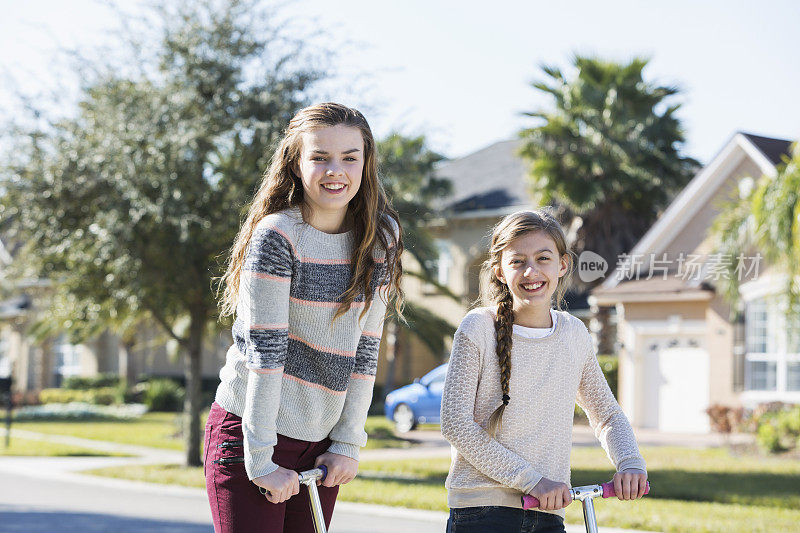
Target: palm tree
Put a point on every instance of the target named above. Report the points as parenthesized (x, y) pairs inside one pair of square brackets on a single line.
[(606, 155), (407, 172), (767, 220)]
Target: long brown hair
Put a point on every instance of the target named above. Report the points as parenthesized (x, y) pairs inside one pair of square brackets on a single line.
[(496, 293), (370, 211)]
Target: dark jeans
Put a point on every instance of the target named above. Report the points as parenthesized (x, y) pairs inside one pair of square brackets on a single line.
[(236, 504), (502, 520)]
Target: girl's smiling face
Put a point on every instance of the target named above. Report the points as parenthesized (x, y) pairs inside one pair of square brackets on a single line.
[(531, 266), (331, 165)]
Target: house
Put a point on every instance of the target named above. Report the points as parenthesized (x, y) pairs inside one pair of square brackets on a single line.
[(680, 351)]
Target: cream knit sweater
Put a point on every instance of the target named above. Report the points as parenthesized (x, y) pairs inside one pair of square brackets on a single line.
[(548, 376)]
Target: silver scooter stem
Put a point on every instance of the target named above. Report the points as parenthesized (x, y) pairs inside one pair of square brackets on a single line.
[(309, 479)]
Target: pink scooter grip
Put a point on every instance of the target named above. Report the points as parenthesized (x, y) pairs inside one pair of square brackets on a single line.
[(529, 502), (608, 489)]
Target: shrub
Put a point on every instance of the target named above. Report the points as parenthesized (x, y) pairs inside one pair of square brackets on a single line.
[(726, 419), (102, 396), (63, 396), (768, 438), (779, 430), (107, 396), (100, 381), (23, 398), (163, 395), (719, 418), (79, 411), (609, 364)]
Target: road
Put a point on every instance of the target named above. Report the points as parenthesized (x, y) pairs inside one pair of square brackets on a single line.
[(31, 500)]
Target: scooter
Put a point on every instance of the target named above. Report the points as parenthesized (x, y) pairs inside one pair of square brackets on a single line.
[(309, 478), (585, 494)]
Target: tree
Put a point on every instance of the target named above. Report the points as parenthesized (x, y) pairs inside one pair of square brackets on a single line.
[(129, 205), (406, 166), (606, 155), (767, 220)]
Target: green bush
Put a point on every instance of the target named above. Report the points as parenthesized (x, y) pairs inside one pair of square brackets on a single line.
[(91, 382), (107, 396), (101, 396), (163, 395), (63, 396), (788, 423), (768, 439), (609, 364), (779, 430)]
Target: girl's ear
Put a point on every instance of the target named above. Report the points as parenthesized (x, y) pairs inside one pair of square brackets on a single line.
[(498, 273), (565, 259)]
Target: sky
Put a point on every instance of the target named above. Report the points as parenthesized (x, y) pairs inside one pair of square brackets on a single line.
[(460, 71)]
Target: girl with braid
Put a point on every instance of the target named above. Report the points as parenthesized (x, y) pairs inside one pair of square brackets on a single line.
[(308, 281), (517, 368)]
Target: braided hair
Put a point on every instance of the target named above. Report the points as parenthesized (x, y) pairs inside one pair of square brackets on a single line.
[(495, 292)]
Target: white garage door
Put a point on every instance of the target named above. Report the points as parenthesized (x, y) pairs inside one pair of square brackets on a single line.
[(677, 383)]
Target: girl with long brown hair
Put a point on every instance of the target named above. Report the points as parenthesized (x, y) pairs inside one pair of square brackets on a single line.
[(309, 279), (517, 368)]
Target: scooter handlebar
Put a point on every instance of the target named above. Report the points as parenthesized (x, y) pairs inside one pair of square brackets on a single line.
[(607, 490), (309, 476)]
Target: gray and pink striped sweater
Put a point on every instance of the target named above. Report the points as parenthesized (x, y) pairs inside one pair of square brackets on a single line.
[(291, 369)]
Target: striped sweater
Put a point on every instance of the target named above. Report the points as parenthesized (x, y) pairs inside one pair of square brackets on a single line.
[(291, 369)]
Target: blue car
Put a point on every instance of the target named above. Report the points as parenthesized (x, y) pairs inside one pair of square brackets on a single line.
[(417, 403)]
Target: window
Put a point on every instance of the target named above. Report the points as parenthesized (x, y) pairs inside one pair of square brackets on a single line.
[(442, 265), (68, 360), (761, 375), (793, 376), (756, 324), (5, 360), (772, 340), (793, 354)]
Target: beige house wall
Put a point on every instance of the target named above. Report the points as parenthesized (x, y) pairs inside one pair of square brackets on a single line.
[(693, 238), (719, 343)]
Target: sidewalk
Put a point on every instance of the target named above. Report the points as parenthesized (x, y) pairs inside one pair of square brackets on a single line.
[(430, 443), (583, 435)]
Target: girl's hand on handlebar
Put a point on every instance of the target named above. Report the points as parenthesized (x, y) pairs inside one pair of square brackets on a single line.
[(341, 469), (630, 484), (551, 494), (281, 484)]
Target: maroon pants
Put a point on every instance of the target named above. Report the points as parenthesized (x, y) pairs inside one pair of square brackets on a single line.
[(236, 504)]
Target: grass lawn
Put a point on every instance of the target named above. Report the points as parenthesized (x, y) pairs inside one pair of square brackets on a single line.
[(693, 490), (163, 430), (159, 430), (25, 447), (381, 434)]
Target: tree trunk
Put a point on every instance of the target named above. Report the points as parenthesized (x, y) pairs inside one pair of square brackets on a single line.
[(125, 362), (402, 349), (604, 333), (193, 374), (391, 355)]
